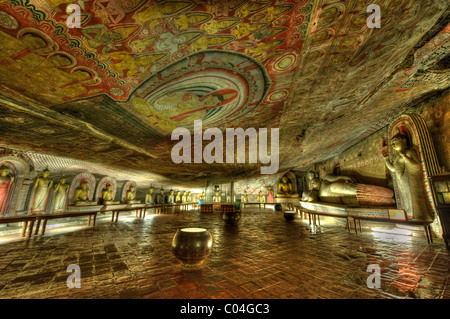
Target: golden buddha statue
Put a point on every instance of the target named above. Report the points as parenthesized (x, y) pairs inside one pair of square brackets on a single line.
[(183, 197), (61, 189), (171, 197), (41, 187), (108, 196), (202, 196), (261, 198), (189, 197), (149, 197), (6, 182), (131, 196), (178, 197), (81, 196), (285, 189), (343, 190), (216, 198), (244, 197), (407, 168)]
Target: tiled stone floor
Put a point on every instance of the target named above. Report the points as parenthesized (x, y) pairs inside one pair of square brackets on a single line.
[(263, 257)]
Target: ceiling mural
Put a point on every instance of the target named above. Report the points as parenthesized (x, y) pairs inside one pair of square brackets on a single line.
[(112, 91)]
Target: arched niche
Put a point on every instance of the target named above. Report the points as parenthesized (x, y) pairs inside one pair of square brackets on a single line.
[(76, 183), (102, 185), (126, 187), (16, 199), (414, 128)]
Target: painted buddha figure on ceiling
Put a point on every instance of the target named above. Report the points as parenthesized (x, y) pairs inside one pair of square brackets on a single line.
[(81, 196), (182, 107), (285, 188), (61, 189), (407, 168), (149, 197), (131, 196), (41, 187), (6, 182)]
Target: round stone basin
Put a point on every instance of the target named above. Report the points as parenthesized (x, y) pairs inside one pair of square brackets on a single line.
[(289, 214), (192, 245)]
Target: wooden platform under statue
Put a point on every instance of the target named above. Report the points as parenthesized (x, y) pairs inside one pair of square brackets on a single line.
[(284, 201)]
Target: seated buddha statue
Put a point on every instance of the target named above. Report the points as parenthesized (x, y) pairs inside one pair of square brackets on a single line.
[(171, 197), (261, 198), (202, 196), (189, 197), (216, 197), (285, 189), (108, 196), (183, 197), (178, 197), (131, 196), (149, 197), (81, 196), (244, 197)]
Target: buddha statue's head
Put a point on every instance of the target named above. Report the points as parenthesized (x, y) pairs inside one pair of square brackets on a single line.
[(150, 190), (108, 187), (84, 185), (315, 183), (62, 180), (4, 171), (161, 191), (45, 173), (132, 189), (400, 142), (284, 179), (310, 174)]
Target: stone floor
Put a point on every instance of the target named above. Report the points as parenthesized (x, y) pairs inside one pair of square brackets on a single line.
[(264, 257)]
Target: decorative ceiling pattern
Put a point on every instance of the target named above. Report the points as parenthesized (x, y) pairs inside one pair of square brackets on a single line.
[(111, 91)]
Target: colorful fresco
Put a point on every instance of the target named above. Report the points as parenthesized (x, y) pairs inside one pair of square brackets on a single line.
[(111, 91)]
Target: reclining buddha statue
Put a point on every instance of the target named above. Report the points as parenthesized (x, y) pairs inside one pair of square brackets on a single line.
[(343, 190)]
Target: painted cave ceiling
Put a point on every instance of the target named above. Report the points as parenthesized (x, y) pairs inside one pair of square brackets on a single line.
[(112, 91)]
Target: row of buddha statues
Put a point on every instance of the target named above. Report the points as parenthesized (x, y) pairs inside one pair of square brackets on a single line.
[(82, 196), (404, 163)]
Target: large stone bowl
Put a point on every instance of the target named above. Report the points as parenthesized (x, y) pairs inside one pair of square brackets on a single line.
[(289, 215), (192, 245), (232, 218)]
